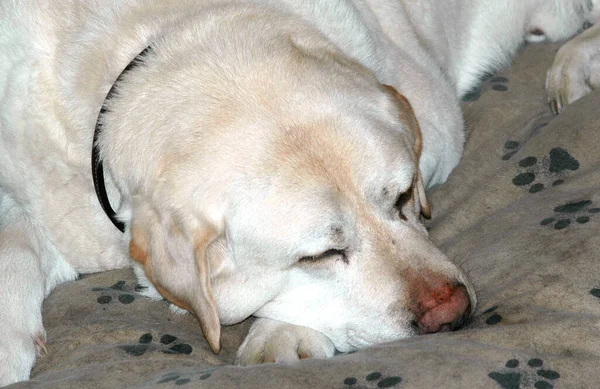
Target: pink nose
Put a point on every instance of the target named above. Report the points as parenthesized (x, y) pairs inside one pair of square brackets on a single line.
[(445, 308)]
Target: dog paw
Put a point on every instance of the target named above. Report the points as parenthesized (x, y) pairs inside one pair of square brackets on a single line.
[(575, 71), (271, 341)]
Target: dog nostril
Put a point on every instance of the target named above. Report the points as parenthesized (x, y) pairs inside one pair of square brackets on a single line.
[(447, 308)]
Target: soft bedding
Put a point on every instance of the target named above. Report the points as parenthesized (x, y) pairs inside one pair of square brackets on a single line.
[(521, 214)]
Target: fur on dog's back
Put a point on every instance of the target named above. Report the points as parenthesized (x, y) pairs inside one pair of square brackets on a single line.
[(55, 71)]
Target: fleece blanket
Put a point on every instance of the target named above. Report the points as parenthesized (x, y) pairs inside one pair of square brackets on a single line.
[(521, 214)]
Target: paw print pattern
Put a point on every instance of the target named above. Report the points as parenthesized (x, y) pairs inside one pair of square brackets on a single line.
[(499, 84), (580, 211), (531, 376), (551, 169), (125, 294), (185, 378), (373, 380), (510, 148), (472, 95), (488, 81), (169, 344), (493, 317)]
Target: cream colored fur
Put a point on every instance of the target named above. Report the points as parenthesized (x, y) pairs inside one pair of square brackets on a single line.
[(254, 137)]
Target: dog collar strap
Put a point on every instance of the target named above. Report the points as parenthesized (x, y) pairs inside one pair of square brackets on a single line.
[(97, 165)]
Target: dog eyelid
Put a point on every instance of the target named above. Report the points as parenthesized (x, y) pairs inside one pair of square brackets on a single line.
[(325, 255)]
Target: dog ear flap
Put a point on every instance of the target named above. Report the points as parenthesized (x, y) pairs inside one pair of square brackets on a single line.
[(408, 118), (178, 268), (420, 188)]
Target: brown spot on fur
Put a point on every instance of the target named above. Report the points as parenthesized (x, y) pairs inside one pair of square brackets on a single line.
[(169, 297), (303, 158), (303, 355), (206, 309), (408, 118), (138, 249), (203, 307), (138, 246)]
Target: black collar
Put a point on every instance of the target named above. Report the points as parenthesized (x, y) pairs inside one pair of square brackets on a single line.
[(97, 166)]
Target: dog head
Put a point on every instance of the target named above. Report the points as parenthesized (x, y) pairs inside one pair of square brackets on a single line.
[(281, 182)]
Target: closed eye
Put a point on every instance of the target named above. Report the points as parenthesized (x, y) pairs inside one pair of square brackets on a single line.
[(331, 253), (401, 201)]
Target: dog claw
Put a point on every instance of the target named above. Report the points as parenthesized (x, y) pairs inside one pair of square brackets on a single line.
[(554, 107), (40, 345)]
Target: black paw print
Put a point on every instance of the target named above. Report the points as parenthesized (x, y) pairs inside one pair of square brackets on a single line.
[(531, 376), (493, 317), (473, 95), (595, 292), (185, 378), (125, 293), (581, 211), (497, 83), (373, 380), (552, 169), (168, 345), (510, 148)]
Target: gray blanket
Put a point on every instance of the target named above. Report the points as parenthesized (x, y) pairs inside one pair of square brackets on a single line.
[(521, 214)]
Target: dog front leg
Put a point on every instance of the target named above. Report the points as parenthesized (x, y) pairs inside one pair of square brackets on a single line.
[(272, 341), (27, 273), (22, 335)]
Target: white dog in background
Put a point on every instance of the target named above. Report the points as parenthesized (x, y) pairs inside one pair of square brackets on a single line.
[(263, 157)]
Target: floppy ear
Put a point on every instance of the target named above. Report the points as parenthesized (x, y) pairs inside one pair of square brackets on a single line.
[(408, 118), (177, 266)]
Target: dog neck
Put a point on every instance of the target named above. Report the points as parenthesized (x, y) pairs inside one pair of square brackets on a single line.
[(97, 165)]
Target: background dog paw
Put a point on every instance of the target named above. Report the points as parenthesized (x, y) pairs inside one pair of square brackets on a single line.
[(575, 71)]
